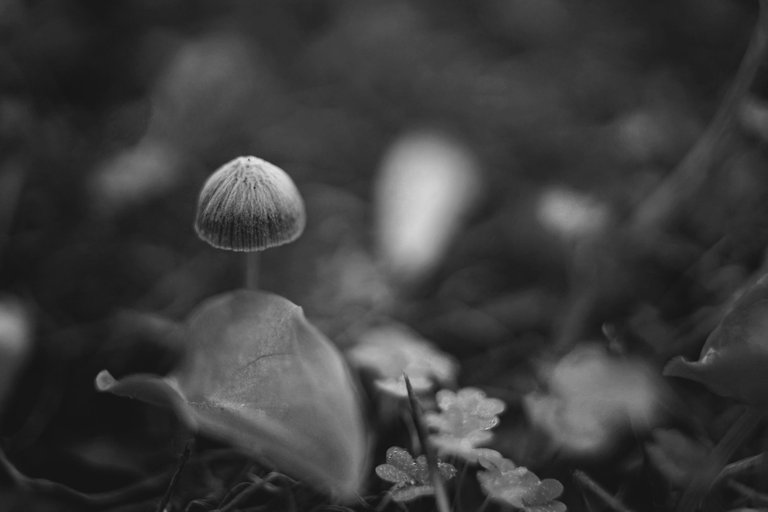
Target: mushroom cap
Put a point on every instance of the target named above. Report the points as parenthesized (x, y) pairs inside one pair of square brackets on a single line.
[(249, 205)]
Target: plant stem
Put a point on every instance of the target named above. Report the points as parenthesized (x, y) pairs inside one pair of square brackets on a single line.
[(242, 496), (702, 482), (757, 498), (459, 484), (740, 466), (441, 496), (161, 507), (598, 491), (252, 270)]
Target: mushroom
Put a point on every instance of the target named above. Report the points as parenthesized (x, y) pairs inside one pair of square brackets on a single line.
[(249, 205), (254, 372)]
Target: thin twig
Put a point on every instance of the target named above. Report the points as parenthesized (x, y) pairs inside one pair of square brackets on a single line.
[(757, 497), (92, 501), (596, 489), (242, 496), (150, 486), (740, 466), (384, 502), (175, 478)]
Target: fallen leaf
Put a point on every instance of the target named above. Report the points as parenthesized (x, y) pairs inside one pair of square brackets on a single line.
[(261, 377)]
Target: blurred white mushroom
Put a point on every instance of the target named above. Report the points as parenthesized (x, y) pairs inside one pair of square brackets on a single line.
[(593, 397), (425, 189), (139, 173), (753, 116), (15, 343), (571, 215), (656, 132), (389, 351)]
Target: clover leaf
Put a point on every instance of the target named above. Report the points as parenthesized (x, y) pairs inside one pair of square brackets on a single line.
[(258, 375), (592, 396), (464, 421), (411, 477), (517, 486), (390, 350)]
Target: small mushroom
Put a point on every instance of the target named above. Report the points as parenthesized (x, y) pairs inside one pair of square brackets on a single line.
[(425, 190), (249, 205)]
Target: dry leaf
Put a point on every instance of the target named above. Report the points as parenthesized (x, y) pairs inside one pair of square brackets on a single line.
[(258, 375)]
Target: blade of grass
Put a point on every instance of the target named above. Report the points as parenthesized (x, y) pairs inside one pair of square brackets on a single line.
[(702, 482), (596, 489), (441, 496), (459, 482), (664, 204), (685, 180)]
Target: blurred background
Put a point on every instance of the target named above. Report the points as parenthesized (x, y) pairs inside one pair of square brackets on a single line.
[(453, 154)]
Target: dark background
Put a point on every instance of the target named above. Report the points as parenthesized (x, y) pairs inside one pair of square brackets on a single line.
[(112, 114)]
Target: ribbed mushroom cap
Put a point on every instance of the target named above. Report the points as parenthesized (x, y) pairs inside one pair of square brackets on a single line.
[(249, 205)]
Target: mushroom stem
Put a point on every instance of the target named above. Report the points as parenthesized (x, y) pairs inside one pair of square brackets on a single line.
[(252, 270)]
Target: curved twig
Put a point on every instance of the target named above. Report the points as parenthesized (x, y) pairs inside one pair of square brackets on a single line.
[(95, 501), (683, 182), (664, 203)]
